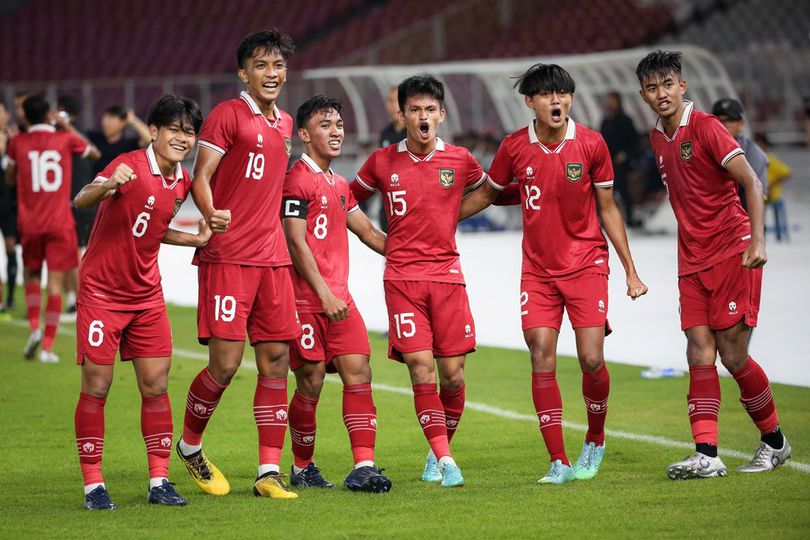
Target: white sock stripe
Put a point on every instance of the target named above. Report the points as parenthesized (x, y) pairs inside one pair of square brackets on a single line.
[(363, 428), (283, 405), (194, 397), (763, 398), (362, 415)]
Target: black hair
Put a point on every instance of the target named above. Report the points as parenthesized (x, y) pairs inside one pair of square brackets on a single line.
[(69, 104), (542, 78), (266, 40), (659, 63), (314, 105), (116, 110), (420, 85), (171, 108), (36, 109)]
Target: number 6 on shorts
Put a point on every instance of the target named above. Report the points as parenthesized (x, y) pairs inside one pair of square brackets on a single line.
[(95, 337)]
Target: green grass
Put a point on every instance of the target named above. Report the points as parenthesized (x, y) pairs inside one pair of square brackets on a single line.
[(501, 458)]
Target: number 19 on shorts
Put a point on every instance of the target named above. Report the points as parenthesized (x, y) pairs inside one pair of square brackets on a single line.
[(224, 308)]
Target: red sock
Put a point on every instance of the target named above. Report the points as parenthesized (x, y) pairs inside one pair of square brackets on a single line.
[(156, 427), (302, 428), (704, 403), (89, 422), (595, 391), (430, 413), (52, 311), (756, 397), (453, 403), (360, 417), (33, 303), (203, 397), (548, 404), (270, 412)]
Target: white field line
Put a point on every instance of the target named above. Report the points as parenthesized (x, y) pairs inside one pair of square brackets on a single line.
[(494, 411)]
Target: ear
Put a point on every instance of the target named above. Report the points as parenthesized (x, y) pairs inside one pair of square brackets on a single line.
[(153, 132), (442, 114), (304, 135), (528, 101), (242, 74), (682, 84)]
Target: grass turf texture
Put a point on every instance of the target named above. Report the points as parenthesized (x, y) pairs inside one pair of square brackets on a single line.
[(501, 459)]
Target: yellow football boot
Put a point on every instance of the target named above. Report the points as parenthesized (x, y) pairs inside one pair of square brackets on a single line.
[(206, 475), (272, 485)]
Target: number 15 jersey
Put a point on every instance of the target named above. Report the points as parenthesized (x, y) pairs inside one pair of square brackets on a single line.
[(422, 197), (248, 182)]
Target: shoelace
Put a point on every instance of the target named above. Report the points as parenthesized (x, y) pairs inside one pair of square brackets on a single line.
[(586, 461), (761, 455), (200, 467)]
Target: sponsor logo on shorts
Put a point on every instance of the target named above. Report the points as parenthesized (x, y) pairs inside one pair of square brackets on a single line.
[(686, 150), (573, 171), (468, 331), (601, 306), (732, 308)]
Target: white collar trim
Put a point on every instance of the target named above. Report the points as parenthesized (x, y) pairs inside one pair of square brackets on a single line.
[(254, 108), (47, 128), (314, 166), (151, 158), (685, 117), (570, 135), (403, 147)]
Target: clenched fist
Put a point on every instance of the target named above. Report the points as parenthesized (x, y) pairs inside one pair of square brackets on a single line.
[(123, 174)]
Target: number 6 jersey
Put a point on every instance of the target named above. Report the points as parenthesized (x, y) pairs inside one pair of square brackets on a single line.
[(120, 270)]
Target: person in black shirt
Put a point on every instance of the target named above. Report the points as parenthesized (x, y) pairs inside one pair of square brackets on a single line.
[(622, 140), (111, 141)]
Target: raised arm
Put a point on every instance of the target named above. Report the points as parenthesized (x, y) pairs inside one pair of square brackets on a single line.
[(614, 227), (139, 127), (370, 235), (91, 153), (295, 230), (738, 167), (204, 169), (102, 188)]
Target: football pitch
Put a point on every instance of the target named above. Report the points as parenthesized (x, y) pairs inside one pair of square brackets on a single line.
[(498, 446)]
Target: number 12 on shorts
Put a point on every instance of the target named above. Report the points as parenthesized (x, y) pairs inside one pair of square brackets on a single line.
[(403, 320)]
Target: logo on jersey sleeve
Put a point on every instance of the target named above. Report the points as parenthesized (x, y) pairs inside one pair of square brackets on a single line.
[(287, 145), (446, 177), (573, 171), (177, 204), (686, 150)]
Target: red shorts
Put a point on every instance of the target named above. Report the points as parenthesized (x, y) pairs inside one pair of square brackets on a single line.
[(721, 296), (428, 316), (59, 249), (584, 297), (139, 334), (322, 341), (235, 299)]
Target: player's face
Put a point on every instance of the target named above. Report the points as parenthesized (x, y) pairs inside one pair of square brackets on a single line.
[(324, 134), (664, 94), (551, 108), (422, 116), (173, 143), (264, 74)]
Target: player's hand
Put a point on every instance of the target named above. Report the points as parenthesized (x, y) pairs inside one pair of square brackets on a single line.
[(635, 287), (219, 220), (203, 233), (123, 174), (62, 120), (754, 255), (335, 308)]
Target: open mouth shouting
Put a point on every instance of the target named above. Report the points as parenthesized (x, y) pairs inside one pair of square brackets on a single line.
[(557, 115), (424, 129)]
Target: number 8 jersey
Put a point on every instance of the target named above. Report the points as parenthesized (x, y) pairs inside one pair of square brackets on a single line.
[(119, 271), (248, 182)]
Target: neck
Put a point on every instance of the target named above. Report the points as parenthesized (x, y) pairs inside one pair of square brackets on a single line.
[(167, 168), (418, 147), (321, 161), (548, 134), (671, 122), (267, 109)]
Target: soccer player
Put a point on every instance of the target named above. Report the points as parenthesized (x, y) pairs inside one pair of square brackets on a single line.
[(120, 301), (721, 251), (317, 208), (244, 277), (40, 166), (565, 183), (422, 180)]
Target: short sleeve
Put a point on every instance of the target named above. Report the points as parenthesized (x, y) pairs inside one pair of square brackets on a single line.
[(77, 145), (500, 172), (365, 183), (475, 173), (351, 203), (717, 141), (219, 129), (601, 166)]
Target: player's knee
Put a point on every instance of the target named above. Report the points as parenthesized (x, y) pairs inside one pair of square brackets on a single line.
[(96, 386), (733, 359), (452, 381), (422, 374), (223, 373), (154, 385), (542, 359), (310, 385), (591, 361)]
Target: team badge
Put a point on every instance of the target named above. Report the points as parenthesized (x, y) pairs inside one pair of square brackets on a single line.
[(573, 171), (177, 204), (446, 177), (686, 150), (287, 145), (343, 202)]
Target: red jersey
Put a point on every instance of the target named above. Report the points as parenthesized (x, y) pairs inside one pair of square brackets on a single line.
[(422, 197), (44, 158), (561, 233), (248, 182), (325, 201), (712, 225), (120, 270)]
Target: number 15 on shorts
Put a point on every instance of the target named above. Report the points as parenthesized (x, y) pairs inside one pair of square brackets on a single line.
[(404, 325)]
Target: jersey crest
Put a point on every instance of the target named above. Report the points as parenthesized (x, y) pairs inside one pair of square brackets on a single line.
[(573, 171), (686, 150), (446, 177)]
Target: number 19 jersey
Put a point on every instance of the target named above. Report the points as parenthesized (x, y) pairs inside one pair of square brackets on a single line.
[(422, 197), (248, 182)]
